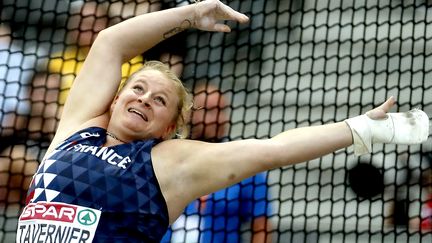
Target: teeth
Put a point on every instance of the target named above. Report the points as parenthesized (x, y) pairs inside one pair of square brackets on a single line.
[(138, 113)]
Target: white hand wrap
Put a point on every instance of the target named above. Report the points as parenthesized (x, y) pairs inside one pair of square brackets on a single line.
[(411, 127)]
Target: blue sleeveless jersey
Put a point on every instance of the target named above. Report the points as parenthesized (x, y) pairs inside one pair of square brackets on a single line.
[(119, 181)]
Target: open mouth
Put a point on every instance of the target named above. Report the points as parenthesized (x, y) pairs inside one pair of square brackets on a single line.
[(143, 116)]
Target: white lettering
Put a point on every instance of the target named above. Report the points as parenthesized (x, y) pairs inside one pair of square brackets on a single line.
[(51, 211), (87, 134), (27, 212), (125, 160), (83, 147), (44, 211), (68, 212), (39, 209), (92, 149), (114, 156), (105, 154)]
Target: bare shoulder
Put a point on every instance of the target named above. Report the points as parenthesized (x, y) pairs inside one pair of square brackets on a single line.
[(174, 158), (174, 153), (175, 147), (171, 171)]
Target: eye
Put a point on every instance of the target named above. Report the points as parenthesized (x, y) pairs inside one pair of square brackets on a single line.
[(138, 88), (160, 100)]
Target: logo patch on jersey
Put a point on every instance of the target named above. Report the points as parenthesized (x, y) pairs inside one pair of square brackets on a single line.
[(87, 134), (87, 217), (57, 222)]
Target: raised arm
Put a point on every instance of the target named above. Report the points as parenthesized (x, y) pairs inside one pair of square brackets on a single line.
[(97, 83), (136, 35)]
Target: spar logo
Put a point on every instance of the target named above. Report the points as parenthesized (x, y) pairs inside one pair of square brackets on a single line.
[(49, 211), (87, 217)]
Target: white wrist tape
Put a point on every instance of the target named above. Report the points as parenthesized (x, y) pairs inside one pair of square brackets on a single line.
[(411, 127)]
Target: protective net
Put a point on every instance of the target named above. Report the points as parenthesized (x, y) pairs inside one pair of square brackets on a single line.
[(297, 63)]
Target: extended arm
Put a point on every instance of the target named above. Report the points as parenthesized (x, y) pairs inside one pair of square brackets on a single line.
[(201, 168)]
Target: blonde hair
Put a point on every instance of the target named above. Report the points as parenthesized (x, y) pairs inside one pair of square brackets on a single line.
[(185, 104)]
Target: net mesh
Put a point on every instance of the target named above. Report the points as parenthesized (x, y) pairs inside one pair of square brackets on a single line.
[(297, 63)]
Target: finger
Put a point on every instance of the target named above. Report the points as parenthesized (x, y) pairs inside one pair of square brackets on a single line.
[(380, 112), (231, 14), (386, 106), (242, 18), (222, 27)]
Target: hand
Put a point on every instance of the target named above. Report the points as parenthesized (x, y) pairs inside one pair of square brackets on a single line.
[(381, 111), (209, 14)]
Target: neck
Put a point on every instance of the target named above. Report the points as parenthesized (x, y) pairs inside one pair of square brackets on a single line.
[(112, 135)]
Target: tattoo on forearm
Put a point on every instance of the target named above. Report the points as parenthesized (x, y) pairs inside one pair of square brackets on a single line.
[(184, 25)]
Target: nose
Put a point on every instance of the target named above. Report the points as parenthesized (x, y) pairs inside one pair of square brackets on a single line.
[(145, 99)]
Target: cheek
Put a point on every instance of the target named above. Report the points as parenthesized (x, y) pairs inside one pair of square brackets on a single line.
[(166, 115), (170, 115), (115, 105)]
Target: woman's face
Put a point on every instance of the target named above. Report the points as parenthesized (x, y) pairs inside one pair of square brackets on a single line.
[(146, 107)]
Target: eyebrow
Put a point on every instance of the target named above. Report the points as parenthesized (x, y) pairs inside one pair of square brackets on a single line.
[(163, 92)]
